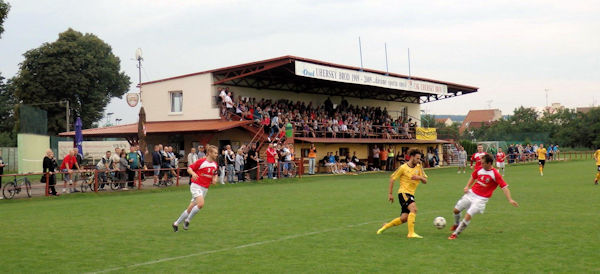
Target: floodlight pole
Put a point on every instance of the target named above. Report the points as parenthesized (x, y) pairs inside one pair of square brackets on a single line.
[(387, 71), (408, 63), (546, 90), (360, 52)]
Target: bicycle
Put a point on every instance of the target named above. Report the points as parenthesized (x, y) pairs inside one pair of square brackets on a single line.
[(86, 181), (12, 188)]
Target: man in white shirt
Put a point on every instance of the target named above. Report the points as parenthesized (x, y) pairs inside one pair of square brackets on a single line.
[(192, 156)]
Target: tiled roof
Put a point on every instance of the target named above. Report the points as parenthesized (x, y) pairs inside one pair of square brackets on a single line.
[(160, 127)]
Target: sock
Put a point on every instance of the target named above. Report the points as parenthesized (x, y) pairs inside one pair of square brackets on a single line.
[(456, 218), (541, 169), (182, 217), (461, 226), (598, 176), (394, 222), (195, 210), (411, 223)]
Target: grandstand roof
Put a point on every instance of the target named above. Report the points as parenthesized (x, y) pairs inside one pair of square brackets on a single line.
[(160, 127), (279, 74)]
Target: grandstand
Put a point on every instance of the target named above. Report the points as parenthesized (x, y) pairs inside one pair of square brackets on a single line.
[(338, 108)]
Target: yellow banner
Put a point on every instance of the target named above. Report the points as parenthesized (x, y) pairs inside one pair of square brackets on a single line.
[(426, 133)]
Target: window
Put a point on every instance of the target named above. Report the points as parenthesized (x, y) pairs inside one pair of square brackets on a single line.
[(176, 101), (344, 151)]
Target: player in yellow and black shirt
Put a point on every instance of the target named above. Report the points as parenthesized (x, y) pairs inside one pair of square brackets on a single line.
[(597, 157), (541, 153), (410, 175)]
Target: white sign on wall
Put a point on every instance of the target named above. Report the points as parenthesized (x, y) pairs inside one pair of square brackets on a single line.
[(92, 149), (367, 78)]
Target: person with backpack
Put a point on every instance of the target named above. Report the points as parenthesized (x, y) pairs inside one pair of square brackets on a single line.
[(133, 158)]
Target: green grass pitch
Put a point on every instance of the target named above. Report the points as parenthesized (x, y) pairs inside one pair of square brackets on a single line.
[(314, 224)]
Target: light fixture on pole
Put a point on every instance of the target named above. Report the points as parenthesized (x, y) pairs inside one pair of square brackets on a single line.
[(118, 120), (108, 115), (139, 58)]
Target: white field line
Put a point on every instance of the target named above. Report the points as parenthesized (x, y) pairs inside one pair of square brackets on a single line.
[(231, 248)]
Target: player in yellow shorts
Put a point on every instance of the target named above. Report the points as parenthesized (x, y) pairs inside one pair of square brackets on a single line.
[(597, 157), (541, 152), (410, 175)]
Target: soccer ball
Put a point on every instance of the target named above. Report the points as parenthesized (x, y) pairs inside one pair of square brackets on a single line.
[(439, 222)]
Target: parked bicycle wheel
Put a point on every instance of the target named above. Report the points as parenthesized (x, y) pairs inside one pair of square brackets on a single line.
[(115, 185), (28, 187), (9, 190), (87, 185)]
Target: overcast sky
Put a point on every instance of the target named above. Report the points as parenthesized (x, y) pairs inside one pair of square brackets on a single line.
[(511, 50)]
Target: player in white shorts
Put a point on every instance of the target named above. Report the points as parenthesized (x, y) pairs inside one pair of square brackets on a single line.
[(203, 173), (500, 163), (478, 190)]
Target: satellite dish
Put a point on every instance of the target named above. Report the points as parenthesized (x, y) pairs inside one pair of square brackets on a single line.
[(138, 54)]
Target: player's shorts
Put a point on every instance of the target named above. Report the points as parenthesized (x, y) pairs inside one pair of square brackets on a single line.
[(405, 200), (197, 190), (542, 162), (599, 168), (473, 203), (462, 163), (500, 164)]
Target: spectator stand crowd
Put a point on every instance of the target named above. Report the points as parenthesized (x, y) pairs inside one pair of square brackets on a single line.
[(526, 153), (324, 121)]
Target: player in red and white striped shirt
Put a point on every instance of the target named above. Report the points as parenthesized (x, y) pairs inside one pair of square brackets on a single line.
[(203, 173), (479, 189)]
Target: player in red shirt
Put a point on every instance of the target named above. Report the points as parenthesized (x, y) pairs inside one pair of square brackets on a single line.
[(500, 157), (203, 173), (476, 157), (479, 189)]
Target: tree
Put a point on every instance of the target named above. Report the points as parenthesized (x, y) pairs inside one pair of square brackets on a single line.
[(77, 67), (4, 8), (7, 104)]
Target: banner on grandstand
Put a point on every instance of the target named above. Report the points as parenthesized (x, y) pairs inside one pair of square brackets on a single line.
[(367, 78), (426, 133)]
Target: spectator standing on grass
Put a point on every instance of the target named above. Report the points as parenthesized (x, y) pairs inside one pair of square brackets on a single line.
[(69, 162), (271, 159), (376, 161), (49, 165), (252, 161), (222, 165), (239, 165), (230, 162), (133, 160), (156, 163), (192, 157), (312, 155), (201, 153), (142, 153), (123, 168), (103, 167), (383, 157), (462, 159)]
